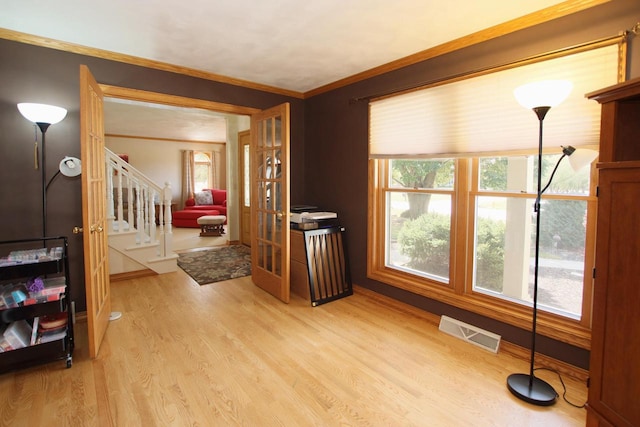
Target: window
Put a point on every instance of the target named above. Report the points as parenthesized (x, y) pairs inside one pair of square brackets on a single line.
[(474, 242), (504, 232), (452, 190), (418, 216), (203, 170)]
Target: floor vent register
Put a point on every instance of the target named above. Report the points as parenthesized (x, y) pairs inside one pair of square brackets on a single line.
[(472, 334)]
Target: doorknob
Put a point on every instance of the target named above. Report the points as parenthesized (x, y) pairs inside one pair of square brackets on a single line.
[(77, 230), (96, 229)]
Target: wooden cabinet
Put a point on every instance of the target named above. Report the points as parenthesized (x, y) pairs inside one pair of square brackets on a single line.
[(614, 370), (620, 122), (22, 311), (299, 273)]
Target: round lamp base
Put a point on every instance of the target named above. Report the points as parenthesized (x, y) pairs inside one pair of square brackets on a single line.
[(536, 392)]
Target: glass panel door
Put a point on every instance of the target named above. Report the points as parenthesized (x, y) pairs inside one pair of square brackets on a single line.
[(270, 201)]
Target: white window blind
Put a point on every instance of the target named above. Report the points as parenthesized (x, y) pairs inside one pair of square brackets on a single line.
[(480, 115)]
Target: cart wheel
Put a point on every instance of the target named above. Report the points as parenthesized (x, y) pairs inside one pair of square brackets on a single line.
[(69, 362)]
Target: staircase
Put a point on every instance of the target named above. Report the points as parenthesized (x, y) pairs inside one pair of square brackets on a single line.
[(138, 217)]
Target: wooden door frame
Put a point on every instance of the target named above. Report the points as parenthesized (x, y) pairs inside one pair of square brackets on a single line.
[(119, 92), (241, 184)]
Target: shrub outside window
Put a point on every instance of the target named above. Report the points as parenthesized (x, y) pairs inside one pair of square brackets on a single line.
[(418, 217), (504, 233)]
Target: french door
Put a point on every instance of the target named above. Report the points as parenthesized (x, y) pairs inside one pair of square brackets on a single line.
[(270, 201), (94, 210)]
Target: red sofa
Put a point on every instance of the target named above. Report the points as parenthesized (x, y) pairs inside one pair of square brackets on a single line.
[(188, 217), (219, 204)]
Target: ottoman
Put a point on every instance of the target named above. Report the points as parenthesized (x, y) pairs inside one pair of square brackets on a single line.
[(189, 218), (211, 225)]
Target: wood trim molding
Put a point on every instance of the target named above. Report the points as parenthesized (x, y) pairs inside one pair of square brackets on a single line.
[(155, 138), (134, 60), (175, 100), (544, 361), (131, 275)]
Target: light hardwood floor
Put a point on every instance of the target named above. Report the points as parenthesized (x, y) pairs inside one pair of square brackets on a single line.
[(229, 354)]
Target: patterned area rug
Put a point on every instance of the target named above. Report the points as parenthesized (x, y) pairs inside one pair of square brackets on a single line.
[(216, 265)]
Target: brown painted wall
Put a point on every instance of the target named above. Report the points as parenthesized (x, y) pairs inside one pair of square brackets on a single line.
[(35, 74), (336, 136)]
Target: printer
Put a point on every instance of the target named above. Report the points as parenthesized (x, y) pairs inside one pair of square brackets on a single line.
[(309, 218)]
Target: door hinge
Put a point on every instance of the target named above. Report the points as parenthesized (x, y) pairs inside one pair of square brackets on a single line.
[(594, 274), (597, 191)]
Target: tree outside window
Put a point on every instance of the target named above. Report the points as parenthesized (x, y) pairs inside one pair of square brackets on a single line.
[(419, 216)]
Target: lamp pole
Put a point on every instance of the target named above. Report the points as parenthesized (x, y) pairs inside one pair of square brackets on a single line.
[(541, 112), (528, 387), (540, 97), (43, 171)]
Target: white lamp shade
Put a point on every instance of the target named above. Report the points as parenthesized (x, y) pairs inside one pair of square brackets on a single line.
[(70, 166), (581, 158), (42, 113), (545, 93)]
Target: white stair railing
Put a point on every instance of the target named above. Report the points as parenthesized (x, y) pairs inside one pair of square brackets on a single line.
[(136, 204)]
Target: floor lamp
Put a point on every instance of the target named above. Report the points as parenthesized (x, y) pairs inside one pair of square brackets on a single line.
[(44, 116), (541, 97)]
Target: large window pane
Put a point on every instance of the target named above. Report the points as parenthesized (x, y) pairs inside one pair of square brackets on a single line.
[(422, 174), (504, 251), (566, 180), (494, 173), (520, 174), (419, 233)]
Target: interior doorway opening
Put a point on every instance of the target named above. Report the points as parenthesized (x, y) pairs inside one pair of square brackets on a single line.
[(167, 119)]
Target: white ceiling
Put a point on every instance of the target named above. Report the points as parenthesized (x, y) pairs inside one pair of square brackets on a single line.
[(297, 45), (130, 118)]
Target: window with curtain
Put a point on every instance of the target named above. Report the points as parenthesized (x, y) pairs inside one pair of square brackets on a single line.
[(452, 170), (203, 170)]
